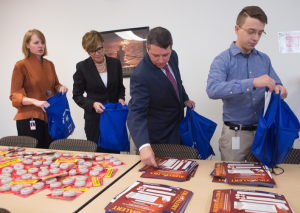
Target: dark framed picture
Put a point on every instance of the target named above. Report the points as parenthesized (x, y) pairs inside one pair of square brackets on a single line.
[(128, 45)]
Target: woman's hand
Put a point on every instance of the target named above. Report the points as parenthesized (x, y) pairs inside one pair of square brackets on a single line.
[(63, 89), (41, 104), (99, 108), (122, 102)]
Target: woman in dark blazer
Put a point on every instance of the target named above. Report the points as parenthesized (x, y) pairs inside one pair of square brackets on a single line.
[(100, 77)]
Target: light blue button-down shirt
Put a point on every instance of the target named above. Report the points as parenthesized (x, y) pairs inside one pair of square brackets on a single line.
[(231, 79)]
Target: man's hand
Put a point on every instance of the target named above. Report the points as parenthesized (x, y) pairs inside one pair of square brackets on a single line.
[(122, 102), (147, 156), (98, 107), (190, 104), (281, 88), (264, 81)]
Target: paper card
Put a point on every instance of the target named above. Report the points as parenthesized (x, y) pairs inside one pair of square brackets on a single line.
[(235, 143), (289, 42)]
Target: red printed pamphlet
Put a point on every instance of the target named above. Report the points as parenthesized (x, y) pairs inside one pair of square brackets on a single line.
[(149, 197), (170, 169), (236, 201), (253, 174)]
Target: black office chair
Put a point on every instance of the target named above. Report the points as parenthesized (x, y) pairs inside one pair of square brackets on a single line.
[(293, 157), (250, 157), (19, 141), (74, 145), (173, 151), (4, 210)]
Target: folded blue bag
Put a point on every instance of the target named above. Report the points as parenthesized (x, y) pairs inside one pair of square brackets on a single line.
[(113, 131), (196, 131), (275, 133), (60, 122)]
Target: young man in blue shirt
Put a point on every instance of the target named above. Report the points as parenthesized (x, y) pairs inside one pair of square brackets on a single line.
[(240, 76)]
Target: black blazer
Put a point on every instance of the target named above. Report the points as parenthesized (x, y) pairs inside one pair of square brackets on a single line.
[(87, 79), (154, 109)]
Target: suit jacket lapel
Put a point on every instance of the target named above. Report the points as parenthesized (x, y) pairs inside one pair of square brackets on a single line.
[(110, 70), (94, 73), (158, 73)]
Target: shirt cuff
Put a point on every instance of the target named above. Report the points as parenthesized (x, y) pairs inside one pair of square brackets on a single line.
[(146, 144), (247, 85)]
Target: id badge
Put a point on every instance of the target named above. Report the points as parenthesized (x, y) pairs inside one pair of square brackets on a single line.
[(32, 125), (235, 143)]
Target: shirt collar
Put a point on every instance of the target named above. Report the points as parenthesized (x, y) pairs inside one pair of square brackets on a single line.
[(235, 50)]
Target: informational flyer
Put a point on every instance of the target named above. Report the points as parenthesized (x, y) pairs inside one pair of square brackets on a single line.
[(289, 42)]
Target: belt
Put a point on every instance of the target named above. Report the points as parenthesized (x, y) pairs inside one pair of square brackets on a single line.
[(234, 126)]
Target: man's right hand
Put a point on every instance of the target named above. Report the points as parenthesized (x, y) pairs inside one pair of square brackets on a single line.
[(99, 108), (264, 81), (147, 156)]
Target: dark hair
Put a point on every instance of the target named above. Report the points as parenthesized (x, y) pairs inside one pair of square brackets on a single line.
[(160, 37), (253, 12)]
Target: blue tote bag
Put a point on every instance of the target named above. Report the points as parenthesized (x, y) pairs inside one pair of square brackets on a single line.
[(60, 122), (196, 131), (276, 132), (113, 131)]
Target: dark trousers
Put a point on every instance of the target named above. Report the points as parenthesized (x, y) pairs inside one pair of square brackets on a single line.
[(92, 132), (41, 132)]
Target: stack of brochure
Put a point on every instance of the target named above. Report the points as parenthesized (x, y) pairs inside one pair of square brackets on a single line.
[(253, 174), (171, 169), (150, 197), (234, 201)]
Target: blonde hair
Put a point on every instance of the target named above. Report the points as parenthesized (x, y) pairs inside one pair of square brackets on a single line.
[(91, 39), (27, 38)]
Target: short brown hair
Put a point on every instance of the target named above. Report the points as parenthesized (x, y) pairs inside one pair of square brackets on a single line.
[(160, 37), (27, 38), (253, 12), (91, 39)]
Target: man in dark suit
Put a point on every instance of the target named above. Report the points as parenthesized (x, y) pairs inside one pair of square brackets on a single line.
[(157, 96)]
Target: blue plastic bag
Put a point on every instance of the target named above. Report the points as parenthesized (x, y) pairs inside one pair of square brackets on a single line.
[(275, 133), (113, 131), (196, 131), (60, 122)]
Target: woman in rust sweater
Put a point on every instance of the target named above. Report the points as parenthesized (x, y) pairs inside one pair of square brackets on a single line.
[(33, 81)]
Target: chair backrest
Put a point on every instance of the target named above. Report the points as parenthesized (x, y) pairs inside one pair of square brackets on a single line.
[(19, 141), (293, 157), (173, 151), (250, 157), (4, 210), (74, 145)]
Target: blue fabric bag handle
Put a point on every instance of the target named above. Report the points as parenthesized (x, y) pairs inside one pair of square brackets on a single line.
[(60, 122), (113, 131), (186, 130)]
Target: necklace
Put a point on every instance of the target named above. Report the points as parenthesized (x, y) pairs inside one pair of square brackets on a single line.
[(101, 67)]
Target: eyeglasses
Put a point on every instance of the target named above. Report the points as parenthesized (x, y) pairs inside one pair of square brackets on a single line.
[(99, 50), (252, 32)]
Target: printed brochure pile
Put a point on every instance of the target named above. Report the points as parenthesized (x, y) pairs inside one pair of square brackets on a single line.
[(253, 174), (236, 201), (149, 197), (171, 169)]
